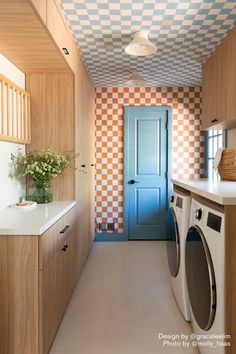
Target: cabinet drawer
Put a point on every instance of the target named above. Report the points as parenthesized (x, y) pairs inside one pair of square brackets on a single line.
[(58, 30), (54, 238)]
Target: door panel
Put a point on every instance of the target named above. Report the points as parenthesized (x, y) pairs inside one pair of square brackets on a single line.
[(147, 197), (148, 132), (146, 162)]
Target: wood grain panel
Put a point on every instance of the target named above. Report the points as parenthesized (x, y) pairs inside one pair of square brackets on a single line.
[(56, 283), (54, 237), (219, 85), (229, 84), (19, 294), (85, 121), (48, 303), (52, 123), (4, 293), (41, 8), (25, 40), (60, 33)]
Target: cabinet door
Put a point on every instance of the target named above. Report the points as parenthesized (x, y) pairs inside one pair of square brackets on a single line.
[(41, 7), (206, 104), (212, 92), (229, 53), (84, 110), (49, 303), (219, 86), (60, 34), (19, 294), (56, 283)]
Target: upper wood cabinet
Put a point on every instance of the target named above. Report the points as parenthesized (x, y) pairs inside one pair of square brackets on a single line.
[(25, 40), (41, 7), (219, 86), (60, 33), (52, 123)]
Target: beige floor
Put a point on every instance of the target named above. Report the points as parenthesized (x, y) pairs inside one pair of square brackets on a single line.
[(122, 302)]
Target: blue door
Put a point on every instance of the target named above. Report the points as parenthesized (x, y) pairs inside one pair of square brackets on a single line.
[(146, 172)]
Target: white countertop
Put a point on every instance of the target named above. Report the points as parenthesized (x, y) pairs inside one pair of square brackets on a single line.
[(221, 192), (34, 221)]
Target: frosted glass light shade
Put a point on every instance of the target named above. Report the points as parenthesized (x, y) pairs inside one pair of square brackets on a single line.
[(140, 45), (136, 80)]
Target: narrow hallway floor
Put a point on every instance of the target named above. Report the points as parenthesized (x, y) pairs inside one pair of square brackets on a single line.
[(123, 304)]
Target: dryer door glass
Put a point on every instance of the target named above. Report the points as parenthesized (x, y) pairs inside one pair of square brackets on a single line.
[(200, 278), (173, 247)]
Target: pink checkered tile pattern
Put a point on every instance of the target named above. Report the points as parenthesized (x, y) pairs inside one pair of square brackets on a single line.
[(187, 140)]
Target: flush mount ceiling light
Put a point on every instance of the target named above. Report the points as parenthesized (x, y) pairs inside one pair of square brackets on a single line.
[(140, 45), (136, 80)]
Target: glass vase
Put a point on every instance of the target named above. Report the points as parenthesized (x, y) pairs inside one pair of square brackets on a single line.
[(42, 192)]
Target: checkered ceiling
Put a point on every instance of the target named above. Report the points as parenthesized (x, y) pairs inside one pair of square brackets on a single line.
[(184, 31)]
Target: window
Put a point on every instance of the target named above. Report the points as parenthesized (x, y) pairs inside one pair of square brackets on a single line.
[(215, 139)]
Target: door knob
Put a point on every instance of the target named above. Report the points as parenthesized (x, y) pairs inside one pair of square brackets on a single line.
[(132, 181), (198, 214)]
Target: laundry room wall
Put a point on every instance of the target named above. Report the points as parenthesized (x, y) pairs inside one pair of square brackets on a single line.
[(187, 140)]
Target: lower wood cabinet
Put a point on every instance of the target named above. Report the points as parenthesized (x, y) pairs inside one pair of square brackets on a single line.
[(56, 283), (37, 277)]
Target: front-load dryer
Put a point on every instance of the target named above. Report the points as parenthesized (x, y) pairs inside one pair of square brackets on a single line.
[(177, 228), (205, 276)]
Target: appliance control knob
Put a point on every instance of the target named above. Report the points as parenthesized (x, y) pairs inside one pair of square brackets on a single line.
[(172, 198), (198, 214)]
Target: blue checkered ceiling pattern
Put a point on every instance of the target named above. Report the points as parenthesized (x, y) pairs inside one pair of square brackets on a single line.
[(184, 31)]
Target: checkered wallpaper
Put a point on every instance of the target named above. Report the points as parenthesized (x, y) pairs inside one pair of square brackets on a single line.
[(187, 141), (183, 30)]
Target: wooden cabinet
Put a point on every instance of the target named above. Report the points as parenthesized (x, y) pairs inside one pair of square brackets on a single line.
[(49, 303), (84, 142), (52, 122), (42, 272), (56, 283), (60, 33), (41, 7), (219, 85), (25, 41), (19, 294)]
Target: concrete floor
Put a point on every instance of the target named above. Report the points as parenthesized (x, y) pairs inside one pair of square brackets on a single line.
[(122, 303)]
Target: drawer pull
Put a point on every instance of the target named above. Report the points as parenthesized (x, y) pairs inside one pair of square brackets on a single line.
[(65, 229), (64, 248), (65, 50), (214, 120)]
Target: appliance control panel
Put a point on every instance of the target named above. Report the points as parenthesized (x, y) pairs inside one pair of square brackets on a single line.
[(214, 221), (179, 202)]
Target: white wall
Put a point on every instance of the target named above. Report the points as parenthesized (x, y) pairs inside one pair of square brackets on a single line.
[(11, 189), (231, 138)]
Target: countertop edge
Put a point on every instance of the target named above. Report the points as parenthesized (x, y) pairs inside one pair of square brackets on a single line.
[(222, 200), (37, 231), (56, 218)]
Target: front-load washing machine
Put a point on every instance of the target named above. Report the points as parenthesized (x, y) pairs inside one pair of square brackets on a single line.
[(205, 276), (177, 228)]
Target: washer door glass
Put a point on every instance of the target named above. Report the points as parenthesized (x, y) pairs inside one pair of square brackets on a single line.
[(173, 247), (200, 278)]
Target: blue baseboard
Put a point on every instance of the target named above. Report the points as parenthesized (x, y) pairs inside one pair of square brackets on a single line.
[(110, 237)]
